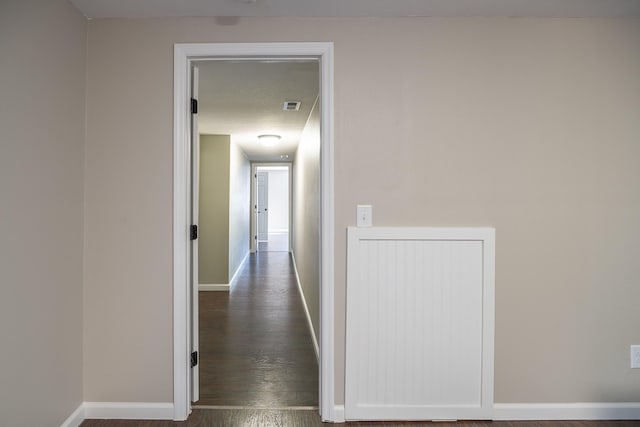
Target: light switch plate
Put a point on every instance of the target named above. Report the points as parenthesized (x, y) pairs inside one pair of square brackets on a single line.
[(365, 215), (635, 356)]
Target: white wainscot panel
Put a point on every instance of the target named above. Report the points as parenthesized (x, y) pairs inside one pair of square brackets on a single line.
[(417, 324)]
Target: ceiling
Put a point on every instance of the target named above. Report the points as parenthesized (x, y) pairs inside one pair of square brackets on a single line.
[(241, 8), (245, 99)]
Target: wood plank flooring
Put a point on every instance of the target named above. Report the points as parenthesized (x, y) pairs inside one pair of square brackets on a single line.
[(255, 344), (283, 418)]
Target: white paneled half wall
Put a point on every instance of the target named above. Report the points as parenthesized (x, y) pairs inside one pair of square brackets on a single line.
[(420, 323)]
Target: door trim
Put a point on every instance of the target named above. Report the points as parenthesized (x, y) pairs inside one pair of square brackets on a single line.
[(253, 247), (183, 55)]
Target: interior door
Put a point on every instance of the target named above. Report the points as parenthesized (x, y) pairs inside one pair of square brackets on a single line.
[(195, 177), (262, 211)]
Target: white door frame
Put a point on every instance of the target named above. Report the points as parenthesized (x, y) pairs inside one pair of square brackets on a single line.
[(184, 54), (253, 247), (262, 207), (194, 209)]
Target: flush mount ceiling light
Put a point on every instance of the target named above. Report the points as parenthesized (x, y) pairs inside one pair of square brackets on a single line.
[(269, 140)]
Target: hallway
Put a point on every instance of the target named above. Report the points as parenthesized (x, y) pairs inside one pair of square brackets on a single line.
[(255, 344)]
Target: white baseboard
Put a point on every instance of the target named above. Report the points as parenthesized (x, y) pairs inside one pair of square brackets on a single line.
[(224, 286), (566, 411), (119, 411), (316, 348), (237, 272), (550, 411), (212, 287), (501, 411), (338, 414), (128, 410), (76, 418)]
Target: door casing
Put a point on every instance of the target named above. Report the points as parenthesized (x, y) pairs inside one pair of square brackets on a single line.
[(254, 168), (184, 54)]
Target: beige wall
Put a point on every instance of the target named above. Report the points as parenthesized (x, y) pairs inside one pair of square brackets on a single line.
[(224, 209), (42, 114), (527, 125), (306, 215), (239, 204), (213, 239)]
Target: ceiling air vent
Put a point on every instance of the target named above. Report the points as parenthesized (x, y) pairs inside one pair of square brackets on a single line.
[(291, 105)]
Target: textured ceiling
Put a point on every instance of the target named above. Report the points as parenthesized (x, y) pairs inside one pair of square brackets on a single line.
[(239, 8), (244, 99)]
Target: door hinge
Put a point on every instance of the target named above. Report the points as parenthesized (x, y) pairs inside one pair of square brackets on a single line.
[(194, 232), (194, 358), (194, 106)]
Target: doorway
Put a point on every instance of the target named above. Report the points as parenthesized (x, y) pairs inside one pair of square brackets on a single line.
[(184, 309), (253, 347), (271, 204)]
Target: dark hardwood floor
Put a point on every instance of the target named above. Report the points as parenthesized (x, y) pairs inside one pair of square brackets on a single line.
[(255, 344), (306, 418)]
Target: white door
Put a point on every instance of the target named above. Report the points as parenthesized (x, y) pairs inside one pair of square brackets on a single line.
[(195, 176), (263, 206)]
